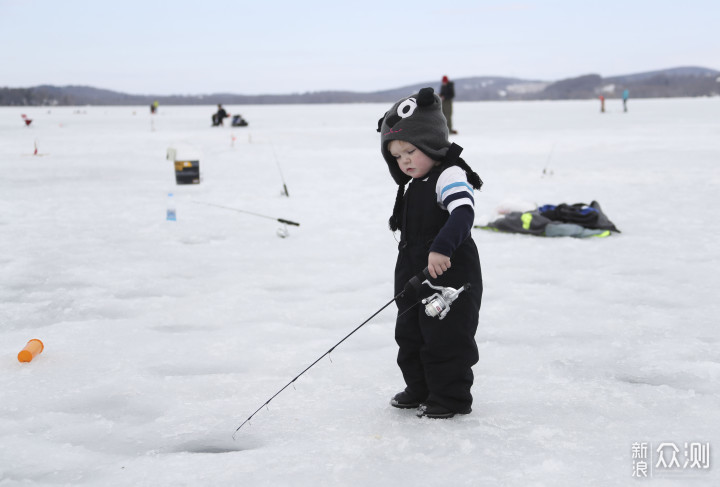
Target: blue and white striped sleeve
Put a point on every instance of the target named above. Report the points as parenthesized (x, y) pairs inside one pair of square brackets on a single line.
[(453, 189), (455, 195)]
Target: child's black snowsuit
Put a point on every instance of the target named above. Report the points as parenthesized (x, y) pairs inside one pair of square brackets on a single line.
[(436, 356)]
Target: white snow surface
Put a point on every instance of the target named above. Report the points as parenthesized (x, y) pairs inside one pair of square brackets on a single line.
[(161, 337)]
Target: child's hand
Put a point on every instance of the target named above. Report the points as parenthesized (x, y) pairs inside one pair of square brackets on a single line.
[(437, 264)]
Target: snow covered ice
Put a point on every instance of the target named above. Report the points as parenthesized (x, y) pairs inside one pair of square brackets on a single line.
[(162, 337)]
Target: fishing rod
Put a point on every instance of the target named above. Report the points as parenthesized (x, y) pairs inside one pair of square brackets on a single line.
[(282, 232), (436, 305), (547, 162), (277, 162)]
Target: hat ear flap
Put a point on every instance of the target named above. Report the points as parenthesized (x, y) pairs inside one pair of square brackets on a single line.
[(453, 153)]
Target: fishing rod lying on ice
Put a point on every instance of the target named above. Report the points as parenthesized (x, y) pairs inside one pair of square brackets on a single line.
[(436, 305), (281, 232)]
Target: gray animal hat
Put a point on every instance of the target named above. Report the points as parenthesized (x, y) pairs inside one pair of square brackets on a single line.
[(417, 119)]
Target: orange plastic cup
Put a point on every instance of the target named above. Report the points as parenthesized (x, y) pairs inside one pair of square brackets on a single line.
[(33, 348)]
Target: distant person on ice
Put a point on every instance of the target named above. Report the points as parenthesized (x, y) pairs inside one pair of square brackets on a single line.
[(434, 216), (447, 93), (219, 116), (626, 95), (602, 104)]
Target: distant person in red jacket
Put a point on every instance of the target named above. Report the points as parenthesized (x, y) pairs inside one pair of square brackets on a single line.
[(602, 104), (447, 93)]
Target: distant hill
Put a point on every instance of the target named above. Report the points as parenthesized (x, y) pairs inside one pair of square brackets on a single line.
[(674, 82)]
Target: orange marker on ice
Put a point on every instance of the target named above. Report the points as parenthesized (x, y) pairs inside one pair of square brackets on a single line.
[(33, 348)]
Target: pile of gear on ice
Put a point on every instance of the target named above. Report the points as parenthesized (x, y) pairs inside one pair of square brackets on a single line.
[(577, 220)]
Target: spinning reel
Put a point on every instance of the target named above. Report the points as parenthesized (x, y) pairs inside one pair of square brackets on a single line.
[(439, 303)]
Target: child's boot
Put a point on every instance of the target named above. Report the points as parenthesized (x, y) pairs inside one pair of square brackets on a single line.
[(403, 400), (435, 411)]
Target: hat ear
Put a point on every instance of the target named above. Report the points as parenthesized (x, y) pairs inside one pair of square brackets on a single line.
[(380, 122), (425, 97)]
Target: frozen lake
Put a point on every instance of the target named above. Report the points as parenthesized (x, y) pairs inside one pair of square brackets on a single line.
[(162, 337)]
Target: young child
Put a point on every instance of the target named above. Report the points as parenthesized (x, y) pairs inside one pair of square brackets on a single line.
[(435, 216)]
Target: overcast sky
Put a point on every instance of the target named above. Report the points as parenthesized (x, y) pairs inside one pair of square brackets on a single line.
[(266, 46)]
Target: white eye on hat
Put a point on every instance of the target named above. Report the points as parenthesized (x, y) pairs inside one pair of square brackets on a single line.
[(407, 108)]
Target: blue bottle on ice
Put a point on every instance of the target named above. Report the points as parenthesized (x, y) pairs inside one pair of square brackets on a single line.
[(171, 213)]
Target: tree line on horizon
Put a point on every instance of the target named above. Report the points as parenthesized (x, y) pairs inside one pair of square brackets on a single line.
[(674, 82)]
